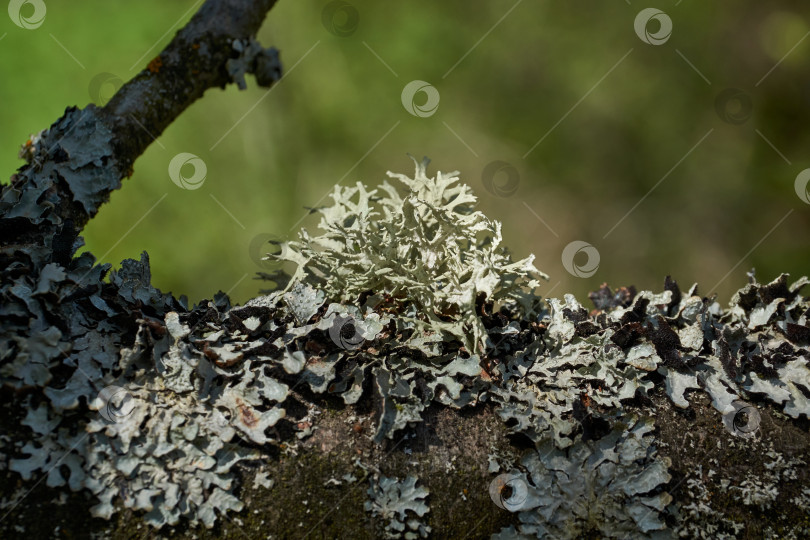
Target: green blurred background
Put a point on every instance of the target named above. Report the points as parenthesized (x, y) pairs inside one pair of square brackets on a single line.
[(613, 114)]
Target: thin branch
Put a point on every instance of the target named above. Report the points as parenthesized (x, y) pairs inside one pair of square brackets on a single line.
[(75, 164), (193, 62)]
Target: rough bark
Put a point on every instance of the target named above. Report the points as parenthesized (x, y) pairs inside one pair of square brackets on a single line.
[(62, 322)]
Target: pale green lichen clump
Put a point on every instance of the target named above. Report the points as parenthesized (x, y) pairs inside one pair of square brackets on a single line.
[(428, 249)]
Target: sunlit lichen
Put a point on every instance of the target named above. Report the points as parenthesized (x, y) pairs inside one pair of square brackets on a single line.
[(427, 248)]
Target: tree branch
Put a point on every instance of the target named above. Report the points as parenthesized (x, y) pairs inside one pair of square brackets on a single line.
[(75, 164), (194, 61), (279, 378)]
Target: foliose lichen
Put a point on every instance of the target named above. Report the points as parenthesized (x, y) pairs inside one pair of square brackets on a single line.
[(84, 162), (400, 505), (150, 404), (613, 486)]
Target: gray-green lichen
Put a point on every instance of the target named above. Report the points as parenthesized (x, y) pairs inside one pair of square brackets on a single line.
[(405, 300), (84, 162), (400, 505), (264, 63), (613, 486)]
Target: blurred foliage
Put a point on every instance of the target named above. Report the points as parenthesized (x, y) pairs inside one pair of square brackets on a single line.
[(617, 118)]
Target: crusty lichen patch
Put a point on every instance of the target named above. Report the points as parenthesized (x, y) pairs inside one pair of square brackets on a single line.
[(159, 411), (708, 463)]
